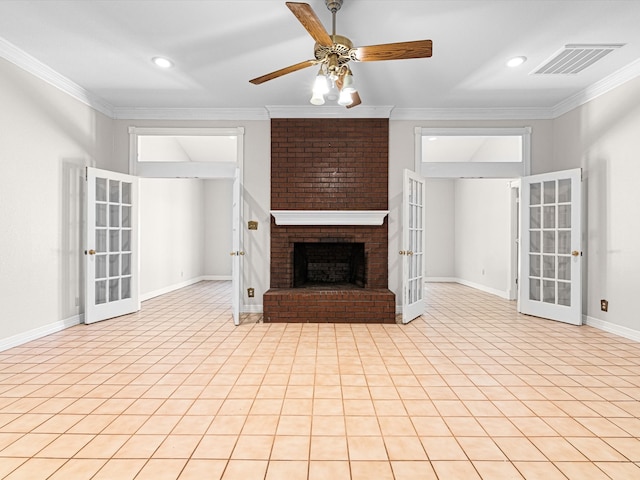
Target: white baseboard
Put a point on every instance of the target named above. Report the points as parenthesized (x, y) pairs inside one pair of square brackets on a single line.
[(168, 289), (186, 283), (625, 332), (483, 288), (40, 332), (216, 278), (252, 309), (477, 286), (440, 279)]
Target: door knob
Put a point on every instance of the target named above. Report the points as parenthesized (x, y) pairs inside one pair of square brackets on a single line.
[(575, 253), (91, 252)]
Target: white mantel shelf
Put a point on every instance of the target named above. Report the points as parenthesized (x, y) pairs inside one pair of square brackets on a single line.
[(329, 217)]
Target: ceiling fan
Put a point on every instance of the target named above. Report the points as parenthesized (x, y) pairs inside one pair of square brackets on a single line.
[(334, 52)]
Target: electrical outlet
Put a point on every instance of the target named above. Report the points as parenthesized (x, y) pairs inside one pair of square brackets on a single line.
[(251, 292), (604, 305)]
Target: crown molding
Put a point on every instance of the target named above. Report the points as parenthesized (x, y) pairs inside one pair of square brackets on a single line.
[(35, 67), (605, 85), (471, 114), (199, 113), (363, 111)]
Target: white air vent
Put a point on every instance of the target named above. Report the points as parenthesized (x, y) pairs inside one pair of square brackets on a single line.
[(574, 58)]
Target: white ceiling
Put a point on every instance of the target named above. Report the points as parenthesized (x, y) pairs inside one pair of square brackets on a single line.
[(106, 47)]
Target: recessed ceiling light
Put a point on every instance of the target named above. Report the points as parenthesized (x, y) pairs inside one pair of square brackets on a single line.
[(516, 61), (162, 62)]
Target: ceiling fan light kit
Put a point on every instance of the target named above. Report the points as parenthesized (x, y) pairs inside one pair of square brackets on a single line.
[(333, 53)]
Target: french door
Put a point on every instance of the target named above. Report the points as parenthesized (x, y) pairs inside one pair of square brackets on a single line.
[(413, 258), (236, 244), (550, 246), (111, 273)]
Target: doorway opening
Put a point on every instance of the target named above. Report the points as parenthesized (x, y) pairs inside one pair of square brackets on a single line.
[(471, 234), (200, 167)]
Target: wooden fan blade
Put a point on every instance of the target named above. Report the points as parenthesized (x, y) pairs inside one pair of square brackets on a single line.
[(356, 100), (394, 51), (310, 21), (283, 71)]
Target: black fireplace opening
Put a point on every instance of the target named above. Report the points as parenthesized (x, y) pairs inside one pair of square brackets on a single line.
[(329, 264)]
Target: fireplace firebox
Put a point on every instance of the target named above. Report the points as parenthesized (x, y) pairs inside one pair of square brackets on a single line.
[(329, 264)]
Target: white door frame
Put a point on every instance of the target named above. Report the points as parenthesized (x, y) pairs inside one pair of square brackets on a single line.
[(237, 251), (514, 236)]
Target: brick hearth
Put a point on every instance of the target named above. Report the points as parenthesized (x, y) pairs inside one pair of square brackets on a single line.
[(307, 305), (336, 164)]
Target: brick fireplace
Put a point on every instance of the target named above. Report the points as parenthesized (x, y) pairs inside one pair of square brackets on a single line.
[(329, 166)]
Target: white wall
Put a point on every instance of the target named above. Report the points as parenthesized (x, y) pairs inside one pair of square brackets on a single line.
[(46, 140), (440, 232), (603, 137), (172, 233), (153, 148), (468, 230), (217, 224), (185, 233), (483, 233)]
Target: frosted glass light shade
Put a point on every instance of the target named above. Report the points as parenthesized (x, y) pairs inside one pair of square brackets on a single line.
[(321, 85), (317, 99)]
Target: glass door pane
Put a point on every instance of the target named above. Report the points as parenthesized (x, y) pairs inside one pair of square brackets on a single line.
[(550, 234)]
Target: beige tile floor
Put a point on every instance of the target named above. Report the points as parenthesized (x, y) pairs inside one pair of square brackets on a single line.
[(471, 390)]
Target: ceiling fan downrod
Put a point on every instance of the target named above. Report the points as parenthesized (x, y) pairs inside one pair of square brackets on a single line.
[(333, 6)]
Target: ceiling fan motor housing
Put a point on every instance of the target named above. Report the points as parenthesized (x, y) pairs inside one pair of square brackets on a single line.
[(340, 51)]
